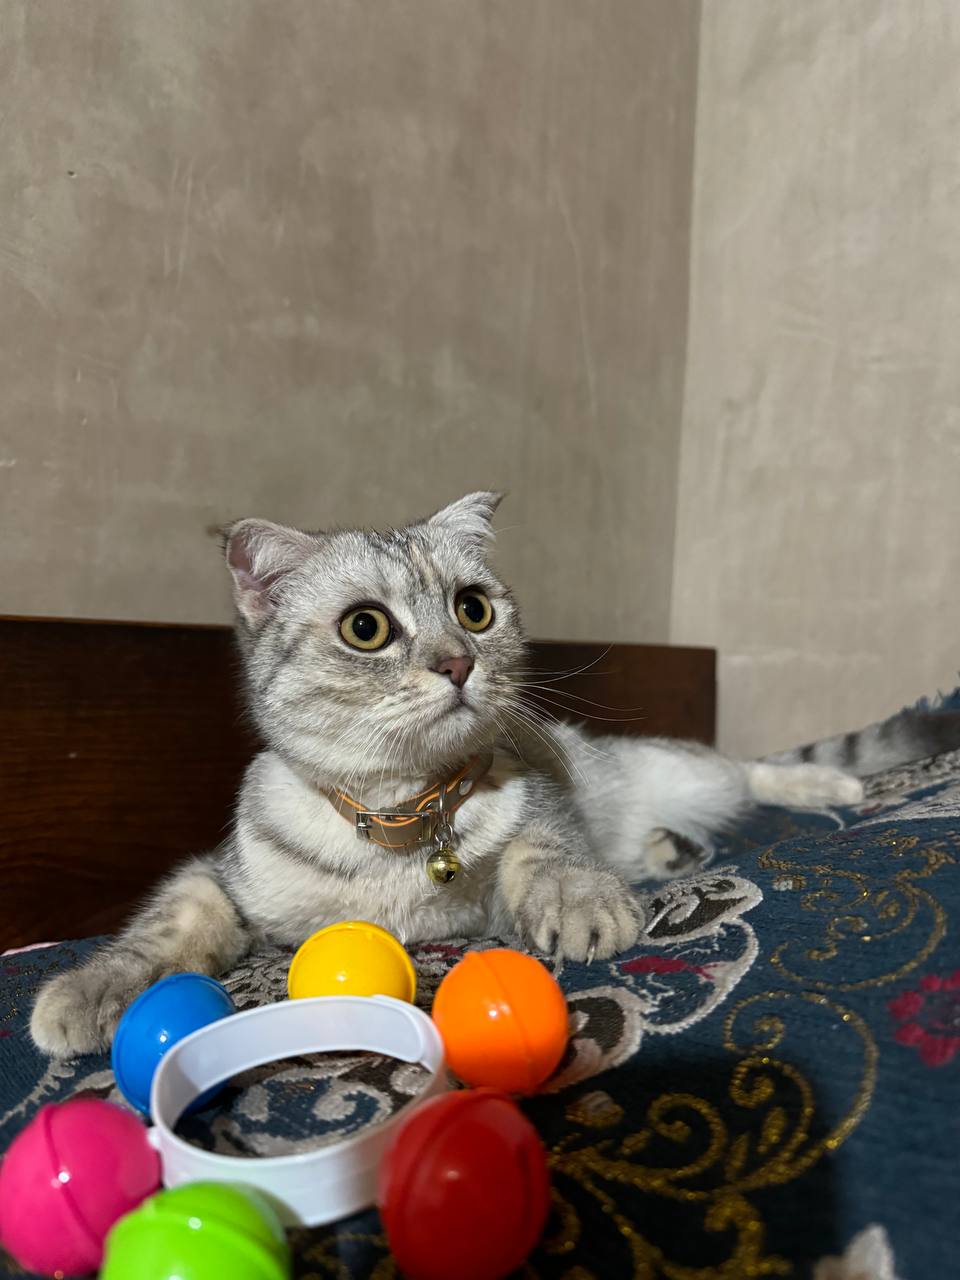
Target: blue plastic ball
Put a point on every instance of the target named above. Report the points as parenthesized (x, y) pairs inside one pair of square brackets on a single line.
[(165, 1013)]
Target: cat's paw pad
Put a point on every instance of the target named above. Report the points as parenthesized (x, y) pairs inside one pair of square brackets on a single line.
[(668, 855), (580, 913), (78, 1011)]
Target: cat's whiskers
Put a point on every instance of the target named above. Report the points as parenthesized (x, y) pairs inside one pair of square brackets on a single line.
[(545, 693), (506, 732), (548, 720), (388, 760), (556, 676), (357, 776), (391, 772), (582, 714), (517, 712)]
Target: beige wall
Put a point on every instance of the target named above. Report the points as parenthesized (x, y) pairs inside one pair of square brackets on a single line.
[(327, 262), (818, 539)]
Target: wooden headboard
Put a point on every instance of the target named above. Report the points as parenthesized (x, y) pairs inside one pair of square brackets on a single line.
[(121, 747)]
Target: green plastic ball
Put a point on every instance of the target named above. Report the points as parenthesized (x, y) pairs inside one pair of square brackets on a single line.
[(199, 1231)]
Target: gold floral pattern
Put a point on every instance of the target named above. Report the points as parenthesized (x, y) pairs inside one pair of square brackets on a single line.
[(711, 1157), (862, 899)]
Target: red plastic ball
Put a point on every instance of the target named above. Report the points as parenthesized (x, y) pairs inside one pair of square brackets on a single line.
[(464, 1188)]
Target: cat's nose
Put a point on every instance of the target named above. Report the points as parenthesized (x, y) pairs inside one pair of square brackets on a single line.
[(458, 669)]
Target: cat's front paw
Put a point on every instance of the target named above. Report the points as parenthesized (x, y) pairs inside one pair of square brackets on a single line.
[(580, 913), (78, 1011)]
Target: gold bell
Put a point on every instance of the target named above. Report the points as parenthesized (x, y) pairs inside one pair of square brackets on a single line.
[(442, 865)]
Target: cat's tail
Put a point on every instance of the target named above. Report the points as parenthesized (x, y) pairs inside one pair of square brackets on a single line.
[(913, 734)]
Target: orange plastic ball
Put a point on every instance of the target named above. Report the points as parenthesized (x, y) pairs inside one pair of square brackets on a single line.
[(503, 1020)]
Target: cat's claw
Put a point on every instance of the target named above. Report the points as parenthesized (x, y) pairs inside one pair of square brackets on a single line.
[(578, 913)]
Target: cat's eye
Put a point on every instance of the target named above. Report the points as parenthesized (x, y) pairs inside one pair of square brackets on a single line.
[(474, 610), (367, 628)]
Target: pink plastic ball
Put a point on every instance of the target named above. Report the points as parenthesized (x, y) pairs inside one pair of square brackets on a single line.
[(66, 1179)]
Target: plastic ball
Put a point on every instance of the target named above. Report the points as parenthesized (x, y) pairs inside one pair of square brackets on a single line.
[(165, 1013), (503, 1020), (352, 959), (464, 1189), (66, 1179), (199, 1231)]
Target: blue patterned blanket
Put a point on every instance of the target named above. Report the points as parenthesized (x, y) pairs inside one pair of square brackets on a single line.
[(768, 1084)]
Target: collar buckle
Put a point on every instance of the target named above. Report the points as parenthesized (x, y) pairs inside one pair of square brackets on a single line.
[(366, 820)]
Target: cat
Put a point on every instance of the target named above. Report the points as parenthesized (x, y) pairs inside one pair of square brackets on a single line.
[(379, 665)]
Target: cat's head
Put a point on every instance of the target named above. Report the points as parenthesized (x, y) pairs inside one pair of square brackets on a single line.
[(376, 652)]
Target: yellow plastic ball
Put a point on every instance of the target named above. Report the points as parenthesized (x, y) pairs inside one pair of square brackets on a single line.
[(354, 958)]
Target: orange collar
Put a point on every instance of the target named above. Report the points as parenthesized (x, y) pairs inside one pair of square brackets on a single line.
[(417, 820)]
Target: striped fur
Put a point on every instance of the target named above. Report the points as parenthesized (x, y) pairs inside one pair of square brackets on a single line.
[(547, 842), (913, 734)]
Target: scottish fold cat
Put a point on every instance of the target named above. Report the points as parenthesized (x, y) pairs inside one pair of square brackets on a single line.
[(386, 671)]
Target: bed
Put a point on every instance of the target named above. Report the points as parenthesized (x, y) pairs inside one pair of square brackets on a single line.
[(768, 1084)]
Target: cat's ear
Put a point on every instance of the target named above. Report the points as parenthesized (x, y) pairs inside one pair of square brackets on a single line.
[(259, 555), (470, 516)]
